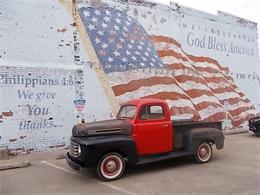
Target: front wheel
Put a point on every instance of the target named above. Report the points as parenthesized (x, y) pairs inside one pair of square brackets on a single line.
[(111, 167), (203, 152)]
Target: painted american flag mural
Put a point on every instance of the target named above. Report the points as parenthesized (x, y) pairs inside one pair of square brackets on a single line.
[(138, 64)]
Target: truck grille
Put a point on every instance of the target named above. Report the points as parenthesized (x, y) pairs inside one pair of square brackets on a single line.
[(74, 148)]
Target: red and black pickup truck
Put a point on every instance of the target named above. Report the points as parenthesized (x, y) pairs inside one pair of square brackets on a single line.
[(142, 133)]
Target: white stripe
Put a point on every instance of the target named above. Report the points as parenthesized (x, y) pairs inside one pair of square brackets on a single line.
[(180, 103), (149, 90), (170, 60), (239, 105), (186, 72), (209, 111), (181, 116), (205, 98), (206, 65), (188, 64), (190, 85), (159, 46), (222, 84), (116, 78), (227, 95), (212, 75)]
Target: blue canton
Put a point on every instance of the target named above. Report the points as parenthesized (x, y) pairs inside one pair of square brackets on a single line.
[(120, 42)]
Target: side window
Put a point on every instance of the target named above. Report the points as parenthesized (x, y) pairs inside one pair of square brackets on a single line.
[(152, 113)]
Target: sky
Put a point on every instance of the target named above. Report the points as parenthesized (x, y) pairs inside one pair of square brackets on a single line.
[(248, 9)]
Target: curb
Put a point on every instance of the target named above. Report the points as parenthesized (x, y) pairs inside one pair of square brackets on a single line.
[(60, 156), (13, 165), (236, 131)]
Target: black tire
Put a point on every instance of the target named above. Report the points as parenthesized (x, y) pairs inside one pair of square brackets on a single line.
[(203, 153), (110, 167)]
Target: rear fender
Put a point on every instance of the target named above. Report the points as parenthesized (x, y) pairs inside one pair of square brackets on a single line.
[(210, 135)]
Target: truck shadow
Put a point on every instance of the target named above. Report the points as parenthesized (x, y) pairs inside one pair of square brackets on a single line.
[(146, 168)]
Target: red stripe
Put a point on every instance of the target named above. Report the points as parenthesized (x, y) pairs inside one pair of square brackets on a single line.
[(184, 78), (136, 84), (194, 93), (158, 39), (220, 116), (233, 101), (168, 96), (168, 53), (223, 89), (238, 111), (206, 104)]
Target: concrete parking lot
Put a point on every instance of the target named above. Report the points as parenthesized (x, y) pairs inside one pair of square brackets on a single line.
[(233, 170)]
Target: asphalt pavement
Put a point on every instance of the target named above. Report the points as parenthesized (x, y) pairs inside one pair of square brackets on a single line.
[(233, 170)]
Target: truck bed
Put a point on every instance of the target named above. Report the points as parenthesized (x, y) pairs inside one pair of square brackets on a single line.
[(197, 124), (181, 130)]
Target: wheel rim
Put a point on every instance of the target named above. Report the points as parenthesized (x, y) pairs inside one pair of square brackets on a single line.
[(111, 166), (204, 152)]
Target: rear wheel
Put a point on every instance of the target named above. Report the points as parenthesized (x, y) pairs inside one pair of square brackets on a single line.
[(203, 152), (111, 167)]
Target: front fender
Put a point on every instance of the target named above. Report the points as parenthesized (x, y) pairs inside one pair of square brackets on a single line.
[(93, 148)]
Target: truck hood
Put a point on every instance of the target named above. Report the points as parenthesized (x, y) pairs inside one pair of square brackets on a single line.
[(115, 126)]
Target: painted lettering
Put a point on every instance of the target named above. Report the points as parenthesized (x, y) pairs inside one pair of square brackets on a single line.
[(25, 94), (36, 110)]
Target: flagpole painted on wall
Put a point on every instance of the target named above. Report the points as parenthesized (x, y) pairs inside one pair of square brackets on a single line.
[(71, 6)]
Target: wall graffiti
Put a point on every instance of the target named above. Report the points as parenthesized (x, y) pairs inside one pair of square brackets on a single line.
[(39, 104)]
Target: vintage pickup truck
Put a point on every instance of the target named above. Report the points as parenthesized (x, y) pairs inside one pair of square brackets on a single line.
[(142, 133)]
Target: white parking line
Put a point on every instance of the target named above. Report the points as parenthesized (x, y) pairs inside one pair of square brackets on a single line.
[(60, 168), (102, 183)]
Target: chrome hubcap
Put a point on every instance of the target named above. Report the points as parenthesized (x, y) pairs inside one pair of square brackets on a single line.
[(203, 152), (111, 166)]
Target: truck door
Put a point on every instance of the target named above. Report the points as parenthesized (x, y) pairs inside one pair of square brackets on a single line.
[(154, 130)]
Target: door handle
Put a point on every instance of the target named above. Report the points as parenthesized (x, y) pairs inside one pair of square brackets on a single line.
[(165, 125)]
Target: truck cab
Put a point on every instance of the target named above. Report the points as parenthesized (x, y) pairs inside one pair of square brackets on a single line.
[(143, 132), (151, 124)]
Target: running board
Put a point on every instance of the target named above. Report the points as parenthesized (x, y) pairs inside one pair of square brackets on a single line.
[(145, 160)]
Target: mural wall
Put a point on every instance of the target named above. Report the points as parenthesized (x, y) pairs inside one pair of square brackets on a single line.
[(58, 67), (175, 54)]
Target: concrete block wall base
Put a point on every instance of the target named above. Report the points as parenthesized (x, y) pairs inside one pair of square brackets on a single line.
[(235, 131), (11, 164)]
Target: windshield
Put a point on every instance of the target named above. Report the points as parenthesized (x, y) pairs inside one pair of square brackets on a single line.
[(127, 112)]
